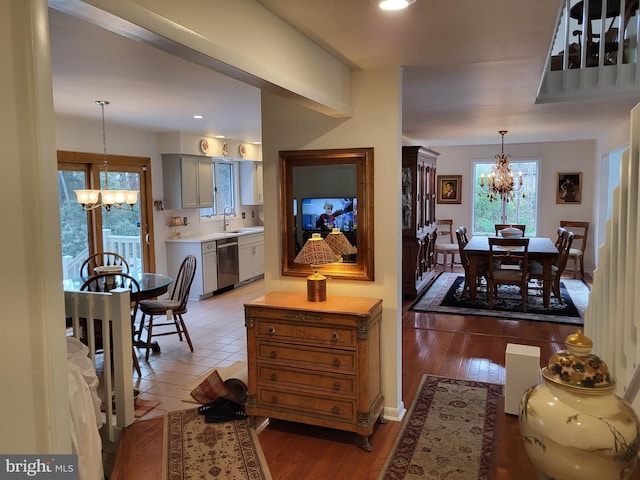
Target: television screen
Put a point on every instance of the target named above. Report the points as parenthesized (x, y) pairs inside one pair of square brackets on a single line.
[(328, 213)]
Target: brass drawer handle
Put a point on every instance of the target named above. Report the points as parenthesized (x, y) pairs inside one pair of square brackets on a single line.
[(336, 362), (272, 330), (336, 386), (274, 377), (274, 399), (335, 336), (273, 354), (335, 410)]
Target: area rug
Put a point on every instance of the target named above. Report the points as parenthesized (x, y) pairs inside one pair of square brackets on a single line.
[(195, 449), (447, 433), (445, 296)]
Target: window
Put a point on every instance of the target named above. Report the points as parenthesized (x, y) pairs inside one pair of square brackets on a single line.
[(522, 209), (224, 187)]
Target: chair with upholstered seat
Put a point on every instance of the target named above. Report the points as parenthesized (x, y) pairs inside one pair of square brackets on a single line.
[(105, 282), (559, 264), (448, 246), (580, 231), (173, 308), (505, 250), (103, 259)]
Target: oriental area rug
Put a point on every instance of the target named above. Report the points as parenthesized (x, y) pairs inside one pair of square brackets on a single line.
[(445, 296), (196, 449), (447, 433)]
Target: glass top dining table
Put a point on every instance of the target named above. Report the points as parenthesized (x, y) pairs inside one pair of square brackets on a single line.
[(151, 284)]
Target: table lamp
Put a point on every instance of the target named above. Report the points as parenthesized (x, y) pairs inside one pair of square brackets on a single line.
[(316, 252), (339, 244), (175, 222)]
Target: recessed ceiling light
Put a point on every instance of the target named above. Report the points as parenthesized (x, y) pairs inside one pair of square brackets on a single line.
[(394, 4), (257, 143), (198, 116), (220, 136)]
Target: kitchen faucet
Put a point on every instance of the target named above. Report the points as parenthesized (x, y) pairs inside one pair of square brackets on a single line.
[(225, 224)]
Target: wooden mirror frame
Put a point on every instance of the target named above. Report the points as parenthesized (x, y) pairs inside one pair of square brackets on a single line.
[(362, 159)]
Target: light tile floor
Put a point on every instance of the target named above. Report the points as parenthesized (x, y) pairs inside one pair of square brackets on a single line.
[(216, 327)]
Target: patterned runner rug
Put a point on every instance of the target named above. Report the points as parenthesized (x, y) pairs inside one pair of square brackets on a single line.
[(447, 433), (195, 449), (445, 296)]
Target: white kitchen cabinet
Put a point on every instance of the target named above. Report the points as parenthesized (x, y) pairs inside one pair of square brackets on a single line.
[(205, 281), (251, 189), (188, 181), (251, 253)]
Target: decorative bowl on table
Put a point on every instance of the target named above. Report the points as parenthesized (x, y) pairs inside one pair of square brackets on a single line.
[(510, 232), (108, 269)]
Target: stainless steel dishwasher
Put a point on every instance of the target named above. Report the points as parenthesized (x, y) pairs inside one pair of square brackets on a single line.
[(228, 263)]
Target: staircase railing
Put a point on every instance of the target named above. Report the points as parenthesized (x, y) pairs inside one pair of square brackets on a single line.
[(109, 314), (612, 319)]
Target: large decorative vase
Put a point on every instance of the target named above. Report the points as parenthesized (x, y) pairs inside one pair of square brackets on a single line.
[(573, 425)]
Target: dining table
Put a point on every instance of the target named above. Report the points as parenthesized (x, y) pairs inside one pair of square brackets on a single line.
[(151, 285), (541, 249)]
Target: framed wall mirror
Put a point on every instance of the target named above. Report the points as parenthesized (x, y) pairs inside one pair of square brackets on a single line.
[(322, 190)]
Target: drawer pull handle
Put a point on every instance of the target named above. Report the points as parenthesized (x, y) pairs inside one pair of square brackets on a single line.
[(336, 386), (274, 377), (335, 410), (336, 362), (273, 354), (335, 336), (274, 399), (272, 330)]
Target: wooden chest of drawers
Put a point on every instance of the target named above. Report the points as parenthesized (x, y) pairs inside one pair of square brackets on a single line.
[(315, 362)]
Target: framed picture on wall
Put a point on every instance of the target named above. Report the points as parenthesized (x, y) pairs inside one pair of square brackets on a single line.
[(449, 189), (569, 188)]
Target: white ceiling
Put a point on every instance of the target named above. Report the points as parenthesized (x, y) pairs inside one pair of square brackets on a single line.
[(471, 68)]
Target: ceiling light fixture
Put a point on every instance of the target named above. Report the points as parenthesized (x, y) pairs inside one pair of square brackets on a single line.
[(198, 117), (499, 183), (91, 199), (394, 4)]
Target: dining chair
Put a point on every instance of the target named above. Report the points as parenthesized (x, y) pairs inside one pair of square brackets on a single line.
[(502, 226), (444, 229), (502, 250), (173, 308), (558, 266), (580, 232), (105, 282), (103, 259), (461, 236)]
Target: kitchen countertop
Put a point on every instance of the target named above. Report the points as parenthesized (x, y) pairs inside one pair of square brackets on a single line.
[(207, 237)]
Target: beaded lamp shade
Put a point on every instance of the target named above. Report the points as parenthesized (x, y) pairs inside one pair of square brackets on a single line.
[(316, 251), (339, 244)]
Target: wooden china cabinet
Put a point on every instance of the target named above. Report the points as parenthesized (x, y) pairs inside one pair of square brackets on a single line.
[(418, 219)]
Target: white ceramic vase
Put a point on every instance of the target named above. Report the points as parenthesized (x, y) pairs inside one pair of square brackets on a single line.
[(573, 425)]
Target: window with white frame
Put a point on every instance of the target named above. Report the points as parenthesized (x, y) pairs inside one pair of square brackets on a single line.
[(224, 187), (521, 209)]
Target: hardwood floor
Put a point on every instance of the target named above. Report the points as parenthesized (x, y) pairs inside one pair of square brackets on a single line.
[(446, 345)]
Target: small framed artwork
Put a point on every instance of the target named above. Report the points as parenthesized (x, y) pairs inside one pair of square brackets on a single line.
[(449, 189), (569, 188)]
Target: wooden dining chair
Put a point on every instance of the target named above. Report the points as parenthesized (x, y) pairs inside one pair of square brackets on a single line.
[(103, 259), (558, 266), (444, 229), (462, 238), (105, 282), (580, 232), (503, 250), (172, 308)]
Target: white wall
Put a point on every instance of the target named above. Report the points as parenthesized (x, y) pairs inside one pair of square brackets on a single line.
[(555, 157), (376, 123)]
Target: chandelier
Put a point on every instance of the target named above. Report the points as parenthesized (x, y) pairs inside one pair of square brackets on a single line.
[(91, 199), (499, 184)]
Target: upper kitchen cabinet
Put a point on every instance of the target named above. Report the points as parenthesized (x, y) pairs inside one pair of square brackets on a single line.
[(251, 190), (188, 181)]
